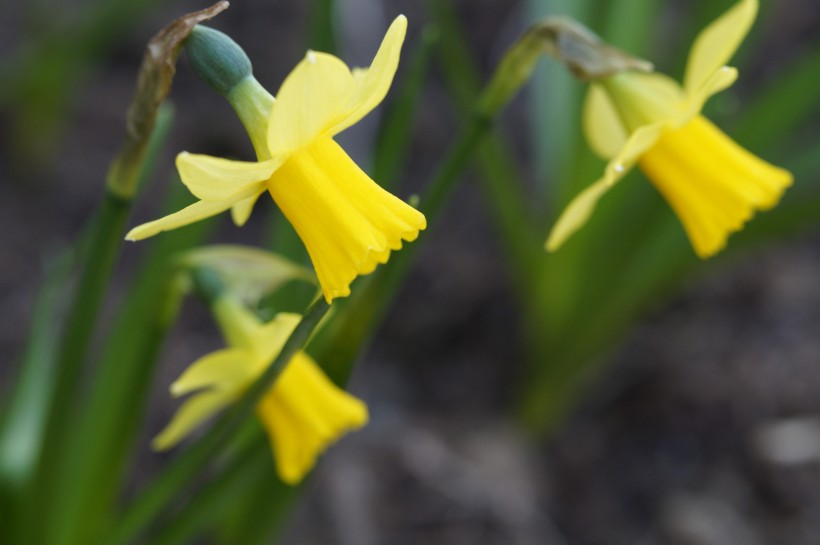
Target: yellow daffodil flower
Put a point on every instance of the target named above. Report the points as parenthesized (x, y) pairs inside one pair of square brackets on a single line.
[(347, 222), (302, 413), (712, 184)]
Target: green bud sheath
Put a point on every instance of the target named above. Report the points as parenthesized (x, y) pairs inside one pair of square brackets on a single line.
[(217, 59)]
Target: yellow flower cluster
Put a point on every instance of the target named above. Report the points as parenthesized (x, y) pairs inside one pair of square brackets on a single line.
[(348, 224)]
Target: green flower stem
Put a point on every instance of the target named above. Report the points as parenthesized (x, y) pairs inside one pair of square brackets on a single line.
[(97, 266), (230, 486), (102, 245), (340, 341), (22, 432), (393, 141), (159, 495), (497, 168), (105, 241), (96, 459), (322, 29)]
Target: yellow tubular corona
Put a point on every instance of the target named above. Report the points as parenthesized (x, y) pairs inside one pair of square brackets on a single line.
[(712, 184)]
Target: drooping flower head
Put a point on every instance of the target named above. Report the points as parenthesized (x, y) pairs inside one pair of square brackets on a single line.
[(712, 184), (302, 413), (348, 223)]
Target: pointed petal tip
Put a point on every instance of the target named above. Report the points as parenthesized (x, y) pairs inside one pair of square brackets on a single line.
[(133, 235), (160, 444), (551, 245)]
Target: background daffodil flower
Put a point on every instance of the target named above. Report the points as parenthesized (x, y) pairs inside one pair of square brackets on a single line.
[(347, 222), (302, 413), (712, 184)]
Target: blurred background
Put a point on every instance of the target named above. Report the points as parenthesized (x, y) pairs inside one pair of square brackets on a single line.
[(702, 427)]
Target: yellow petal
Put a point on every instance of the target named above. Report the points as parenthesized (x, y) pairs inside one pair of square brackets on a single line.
[(372, 84), (241, 211), (712, 184), (347, 222), (190, 214), (269, 339), (719, 80), (303, 414), (717, 43), (603, 128), (190, 415), (578, 212), (223, 368), (239, 325), (214, 179), (644, 98), (309, 99)]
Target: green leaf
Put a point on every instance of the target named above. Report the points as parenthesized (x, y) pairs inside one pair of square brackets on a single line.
[(24, 425), (393, 142), (555, 105), (781, 106), (95, 460)]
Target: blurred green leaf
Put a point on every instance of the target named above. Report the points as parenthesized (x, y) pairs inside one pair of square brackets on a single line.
[(24, 425), (555, 103), (499, 172), (232, 486), (393, 142), (105, 430), (322, 30), (781, 106)]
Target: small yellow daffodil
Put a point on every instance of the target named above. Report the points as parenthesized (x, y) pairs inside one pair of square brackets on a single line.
[(302, 413), (348, 223), (712, 184)]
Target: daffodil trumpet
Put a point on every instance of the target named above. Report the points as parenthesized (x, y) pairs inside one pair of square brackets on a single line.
[(302, 413), (348, 223), (647, 119)]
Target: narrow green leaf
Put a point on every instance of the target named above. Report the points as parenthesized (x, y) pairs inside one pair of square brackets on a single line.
[(499, 174), (786, 103), (555, 104), (106, 428), (24, 425), (233, 485), (393, 143), (322, 30), (631, 24)]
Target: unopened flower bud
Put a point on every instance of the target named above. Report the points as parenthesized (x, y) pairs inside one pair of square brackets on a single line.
[(217, 59)]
